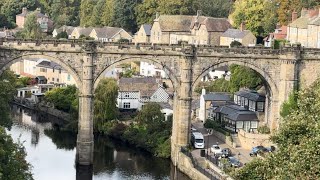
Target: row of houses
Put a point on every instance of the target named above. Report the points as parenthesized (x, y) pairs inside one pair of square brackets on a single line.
[(47, 71), (244, 111)]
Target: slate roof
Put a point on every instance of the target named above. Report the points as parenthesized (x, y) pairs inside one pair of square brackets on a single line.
[(147, 29), (237, 113), (68, 29), (165, 105), (84, 31), (251, 95), (107, 32), (301, 23), (217, 96), (183, 23), (235, 33), (41, 78), (49, 64), (145, 85)]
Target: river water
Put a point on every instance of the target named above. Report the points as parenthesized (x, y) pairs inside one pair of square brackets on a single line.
[(52, 153)]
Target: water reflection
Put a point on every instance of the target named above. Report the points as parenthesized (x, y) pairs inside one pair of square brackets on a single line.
[(52, 152)]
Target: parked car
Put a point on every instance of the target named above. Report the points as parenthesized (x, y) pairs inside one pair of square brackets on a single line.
[(215, 149), (193, 129), (234, 162), (226, 152), (257, 149)]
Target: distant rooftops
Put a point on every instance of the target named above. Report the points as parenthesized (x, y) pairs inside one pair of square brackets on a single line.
[(145, 85), (217, 96), (237, 113), (235, 33)]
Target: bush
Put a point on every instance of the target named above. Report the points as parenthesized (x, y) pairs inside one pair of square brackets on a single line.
[(264, 129), (235, 44), (210, 124)]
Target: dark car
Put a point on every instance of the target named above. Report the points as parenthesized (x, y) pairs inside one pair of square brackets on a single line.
[(234, 162), (257, 149), (226, 152)]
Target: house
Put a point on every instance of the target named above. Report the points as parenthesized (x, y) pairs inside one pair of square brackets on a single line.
[(234, 117), (278, 34), (221, 72), (148, 69), (46, 24), (54, 73), (245, 37), (143, 35), (109, 34), (250, 100), (209, 102), (135, 92), (175, 29), (78, 31), (298, 30), (26, 92), (166, 109), (67, 29)]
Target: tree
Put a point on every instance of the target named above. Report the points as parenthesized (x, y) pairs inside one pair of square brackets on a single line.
[(258, 15), (243, 77), (235, 44), (64, 99), (62, 35), (12, 159), (297, 138), (86, 12), (96, 18), (213, 8), (290, 105), (32, 28), (150, 114), (105, 102), (124, 14), (146, 11)]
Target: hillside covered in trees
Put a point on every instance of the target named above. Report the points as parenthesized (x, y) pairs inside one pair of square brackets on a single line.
[(260, 15)]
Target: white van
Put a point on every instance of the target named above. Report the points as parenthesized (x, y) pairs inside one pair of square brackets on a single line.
[(197, 140)]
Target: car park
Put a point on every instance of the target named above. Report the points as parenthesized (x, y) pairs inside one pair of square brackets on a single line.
[(215, 149)]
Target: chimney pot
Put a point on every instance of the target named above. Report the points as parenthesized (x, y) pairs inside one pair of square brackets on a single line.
[(242, 26), (199, 12), (294, 15)]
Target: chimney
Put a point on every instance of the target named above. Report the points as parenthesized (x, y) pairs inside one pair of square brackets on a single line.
[(157, 15), (24, 10), (242, 26), (294, 16), (304, 12), (203, 92), (199, 12)]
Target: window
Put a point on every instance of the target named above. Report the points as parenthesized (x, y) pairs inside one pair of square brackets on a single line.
[(53, 70), (43, 70), (246, 102), (59, 71), (69, 77), (52, 79), (254, 124), (126, 105), (126, 95), (260, 106), (57, 79)]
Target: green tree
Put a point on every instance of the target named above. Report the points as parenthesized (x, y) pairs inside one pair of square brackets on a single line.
[(13, 165), (64, 99), (86, 12), (108, 13), (235, 44), (124, 14), (213, 8), (290, 105), (259, 15), (297, 138), (243, 77), (97, 19), (146, 11), (62, 35), (105, 102), (150, 114), (32, 28)]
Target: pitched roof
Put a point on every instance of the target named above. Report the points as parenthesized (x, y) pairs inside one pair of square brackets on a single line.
[(251, 95), (217, 96), (237, 113), (145, 85), (315, 21), (67, 29), (165, 105), (107, 32), (301, 23), (235, 33), (147, 29), (212, 24), (84, 31), (183, 23)]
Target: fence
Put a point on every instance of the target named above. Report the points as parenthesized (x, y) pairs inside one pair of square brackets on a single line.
[(199, 168)]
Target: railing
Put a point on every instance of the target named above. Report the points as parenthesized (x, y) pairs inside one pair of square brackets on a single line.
[(204, 171)]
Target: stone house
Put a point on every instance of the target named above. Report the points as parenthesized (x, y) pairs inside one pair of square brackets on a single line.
[(78, 31), (298, 30), (174, 29), (46, 24), (245, 37), (135, 92), (67, 29), (221, 72), (143, 35), (109, 34), (148, 69)]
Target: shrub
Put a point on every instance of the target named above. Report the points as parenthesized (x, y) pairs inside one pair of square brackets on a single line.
[(264, 129)]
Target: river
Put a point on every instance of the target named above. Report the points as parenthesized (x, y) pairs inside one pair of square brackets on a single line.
[(52, 153)]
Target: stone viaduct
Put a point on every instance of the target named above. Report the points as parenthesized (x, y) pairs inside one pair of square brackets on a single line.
[(283, 71)]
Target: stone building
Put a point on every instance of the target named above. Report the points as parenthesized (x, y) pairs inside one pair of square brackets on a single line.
[(143, 35), (135, 92), (46, 24), (67, 29), (109, 34), (175, 29), (245, 37), (78, 31), (279, 33), (304, 30)]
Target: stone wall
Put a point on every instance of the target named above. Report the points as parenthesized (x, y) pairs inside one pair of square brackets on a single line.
[(185, 165), (249, 140)]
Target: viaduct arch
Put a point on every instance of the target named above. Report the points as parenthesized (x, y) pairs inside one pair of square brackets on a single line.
[(86, 61)]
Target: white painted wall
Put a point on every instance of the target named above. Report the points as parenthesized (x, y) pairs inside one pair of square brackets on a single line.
[(202, 111), (167, 113), (160, 96), (147, 69), (129, 97)]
